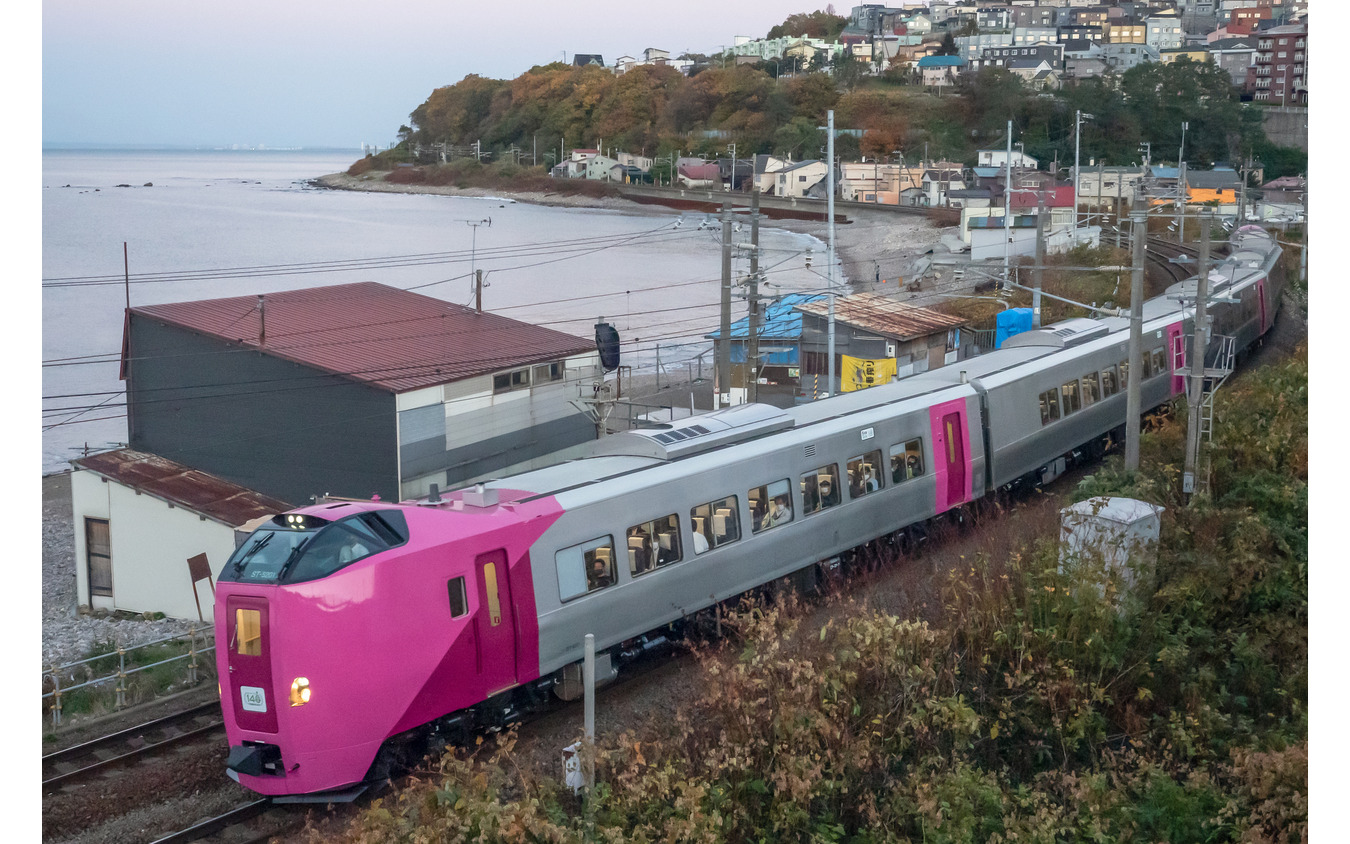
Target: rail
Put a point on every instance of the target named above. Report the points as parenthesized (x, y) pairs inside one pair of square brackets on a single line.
[(83, 675)]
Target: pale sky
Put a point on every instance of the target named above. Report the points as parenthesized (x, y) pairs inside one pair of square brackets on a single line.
[(308, 73)]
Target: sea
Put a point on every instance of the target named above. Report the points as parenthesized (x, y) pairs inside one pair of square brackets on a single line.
[(153, 226)]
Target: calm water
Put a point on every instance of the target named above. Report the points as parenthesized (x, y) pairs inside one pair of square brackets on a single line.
[(243, 213)]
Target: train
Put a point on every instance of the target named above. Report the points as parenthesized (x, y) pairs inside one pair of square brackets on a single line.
[(353, 635)]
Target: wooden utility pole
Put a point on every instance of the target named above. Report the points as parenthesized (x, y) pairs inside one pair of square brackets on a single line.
[(478, 290), (724, 353), (1195, 395), (1134, 384), (752, 340)]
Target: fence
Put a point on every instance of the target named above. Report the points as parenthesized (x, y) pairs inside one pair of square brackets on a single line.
[(97, 675)]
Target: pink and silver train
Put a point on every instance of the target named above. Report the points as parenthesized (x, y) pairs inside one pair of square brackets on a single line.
[(352, 634)]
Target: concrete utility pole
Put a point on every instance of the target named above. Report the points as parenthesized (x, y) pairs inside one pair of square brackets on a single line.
[(724, 355), (829, 211), (1077, 143), (752, 341), (1040, 260), (1133, 398), (1199, 342), (1007, 210), (1182, 196)]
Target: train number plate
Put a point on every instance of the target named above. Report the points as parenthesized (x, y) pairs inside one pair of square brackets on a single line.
[(253, 698)]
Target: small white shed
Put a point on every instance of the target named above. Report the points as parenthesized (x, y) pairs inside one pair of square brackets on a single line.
[(152, 535), (1117, 529)]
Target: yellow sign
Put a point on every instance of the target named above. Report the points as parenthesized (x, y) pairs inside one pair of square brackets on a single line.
[(860, 373)]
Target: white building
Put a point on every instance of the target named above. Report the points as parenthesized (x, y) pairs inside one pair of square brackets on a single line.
[(152, 535)]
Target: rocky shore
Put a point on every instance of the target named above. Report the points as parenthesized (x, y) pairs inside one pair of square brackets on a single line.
[(872, 245)]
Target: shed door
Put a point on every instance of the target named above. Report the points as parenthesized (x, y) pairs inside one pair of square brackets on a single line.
[(250, 664), (98, 555), (495, 623)]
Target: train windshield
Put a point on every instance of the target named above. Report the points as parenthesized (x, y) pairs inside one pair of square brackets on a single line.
[(275, 554)]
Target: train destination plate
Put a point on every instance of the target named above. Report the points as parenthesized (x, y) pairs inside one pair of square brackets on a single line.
[(253, 698)]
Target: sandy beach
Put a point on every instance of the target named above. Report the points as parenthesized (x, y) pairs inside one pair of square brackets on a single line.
[(872, 245)]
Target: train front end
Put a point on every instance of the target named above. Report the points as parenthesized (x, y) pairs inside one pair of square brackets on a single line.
[(294, 606)]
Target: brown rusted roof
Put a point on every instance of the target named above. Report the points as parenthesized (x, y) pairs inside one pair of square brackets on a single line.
[(884, 315), (182, 486), (379, 335)]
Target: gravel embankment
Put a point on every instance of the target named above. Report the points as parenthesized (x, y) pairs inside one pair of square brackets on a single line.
[(67, 634)]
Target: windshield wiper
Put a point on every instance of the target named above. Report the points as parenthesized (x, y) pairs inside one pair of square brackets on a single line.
[(239, 563), (291, 558)]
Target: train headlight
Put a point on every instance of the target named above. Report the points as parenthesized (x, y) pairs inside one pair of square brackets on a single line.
[(299, 691)]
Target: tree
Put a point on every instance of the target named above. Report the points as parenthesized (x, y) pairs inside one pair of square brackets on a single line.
[(826, 25), (948, 47)]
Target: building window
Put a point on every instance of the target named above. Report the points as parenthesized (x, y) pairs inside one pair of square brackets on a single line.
[(505, 382), (98, 556), (544, 373)]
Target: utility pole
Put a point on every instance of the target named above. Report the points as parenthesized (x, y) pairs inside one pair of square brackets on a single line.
[(1077, 143), (724, 357), (1133, 399), (1007, 210), (829, 152), (1182, 196), (1199, 342), (1040, 260), (752, 341)]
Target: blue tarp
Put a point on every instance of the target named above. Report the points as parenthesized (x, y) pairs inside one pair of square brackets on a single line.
[(781, 323), (1010, 322)]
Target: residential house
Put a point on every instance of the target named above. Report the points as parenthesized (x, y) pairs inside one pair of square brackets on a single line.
[(939, 181), (1051, 54), (798, 178), (1026, 36), (1122, 57), (1237, 56), (1163, 32), (1043, 16), (1039, 75), (699, 175), (588, 59), (941, 70), (1199, 55), (999, 157), (349, 389), (1100, 186), (1125, 32), (766, 172), (151, 535)]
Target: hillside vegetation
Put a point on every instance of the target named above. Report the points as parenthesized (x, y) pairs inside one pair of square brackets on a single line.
[(655, 111), (1010, 702)]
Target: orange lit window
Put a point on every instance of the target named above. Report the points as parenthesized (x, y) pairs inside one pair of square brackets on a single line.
[(248, 632)]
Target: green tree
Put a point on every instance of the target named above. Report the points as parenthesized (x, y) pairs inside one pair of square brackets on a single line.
[(826, 25)]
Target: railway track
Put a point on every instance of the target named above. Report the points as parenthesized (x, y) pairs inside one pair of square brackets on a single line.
[(251, 823), (127, 747)]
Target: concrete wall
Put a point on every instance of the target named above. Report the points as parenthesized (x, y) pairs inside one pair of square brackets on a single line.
[(151, 542), (1287, 126)]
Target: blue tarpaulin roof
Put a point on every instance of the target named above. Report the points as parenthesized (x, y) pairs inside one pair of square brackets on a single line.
[(781, 322)]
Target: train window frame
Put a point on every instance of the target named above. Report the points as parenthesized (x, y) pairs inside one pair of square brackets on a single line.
[(1160, 365), (729, 503), (247, 631), (574, 565), (1049, 406), (768, 493), (1071, 399), (547, 373), (459, 597), (857, 487), (656, 556), (1090, 390), (811, 485), (1124, 369), (900, 455), (1108, 376)]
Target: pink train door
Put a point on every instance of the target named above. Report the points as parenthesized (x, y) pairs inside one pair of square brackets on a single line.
[(1176, 341), (1261, 302), (250, 664), (495, 623), (948, 422)]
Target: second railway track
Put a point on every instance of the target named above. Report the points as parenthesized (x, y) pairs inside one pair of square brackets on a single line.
[(74, 764)]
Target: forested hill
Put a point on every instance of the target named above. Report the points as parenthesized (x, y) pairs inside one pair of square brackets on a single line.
[(656, 110)]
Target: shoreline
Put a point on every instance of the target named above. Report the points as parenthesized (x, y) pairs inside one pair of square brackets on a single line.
[(872, 245)]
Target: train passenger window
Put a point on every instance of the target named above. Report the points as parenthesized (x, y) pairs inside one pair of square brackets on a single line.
[(774, 506), (906, 460), (1089, 383), (1160, 366), (864, 474), (585, 568), (1124, 367), (820, 488), (1109, 386), (459, 600), (1049, 406), (1069, 397), (653, 544), (715, 524)]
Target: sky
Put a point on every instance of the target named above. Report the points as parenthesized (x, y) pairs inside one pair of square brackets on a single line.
[(285, 73)]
